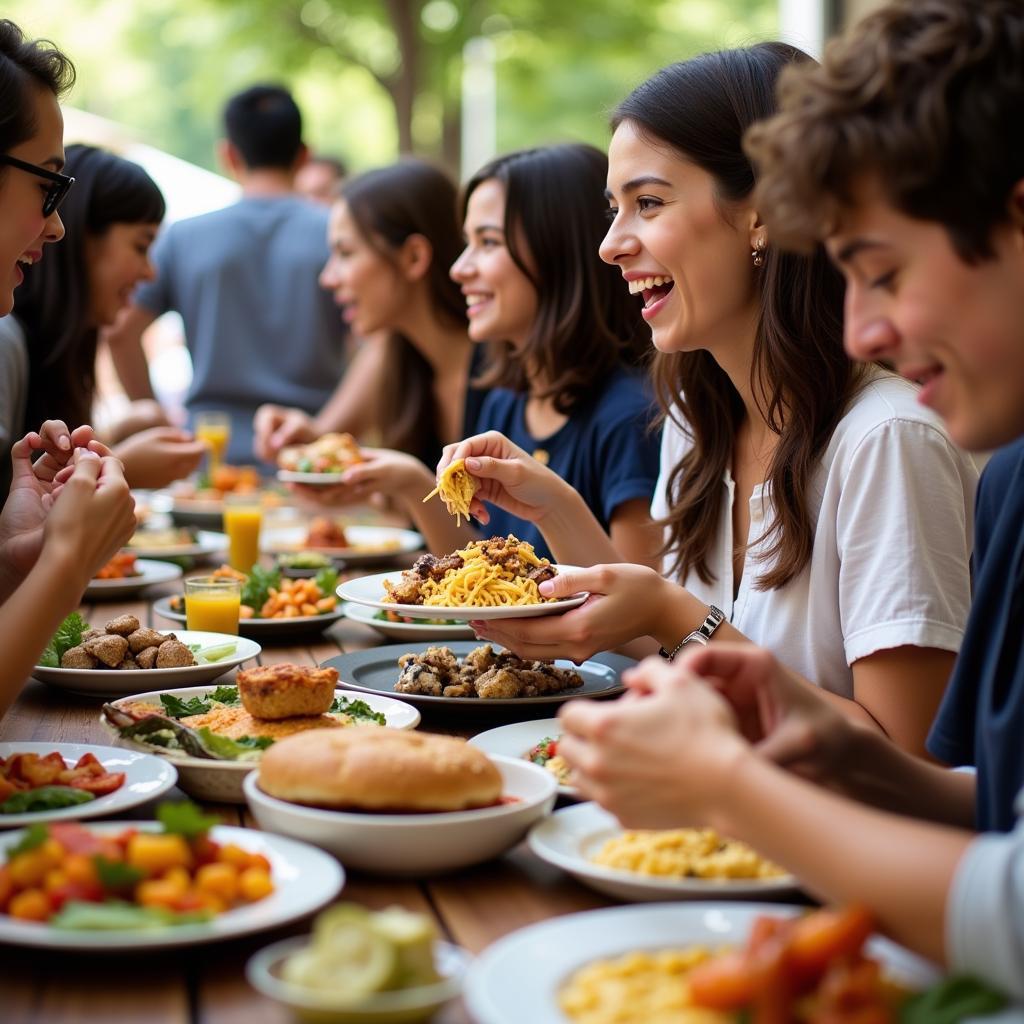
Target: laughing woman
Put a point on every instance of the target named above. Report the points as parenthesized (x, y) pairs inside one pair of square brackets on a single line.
[(809, 506)]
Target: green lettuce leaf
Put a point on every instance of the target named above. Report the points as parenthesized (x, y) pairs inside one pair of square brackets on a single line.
[(117, 916), (68, 635), (256, 589), (951, 1001), (44, 798), (245, 748), (185, 819)]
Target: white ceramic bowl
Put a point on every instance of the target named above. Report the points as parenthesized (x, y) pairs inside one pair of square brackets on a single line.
[(411, 1004), (412, 844)]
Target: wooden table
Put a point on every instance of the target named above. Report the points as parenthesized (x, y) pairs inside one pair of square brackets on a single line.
[(206, 985)]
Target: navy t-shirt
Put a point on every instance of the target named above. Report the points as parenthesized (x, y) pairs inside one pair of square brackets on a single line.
[(981, 718), (606, 450)]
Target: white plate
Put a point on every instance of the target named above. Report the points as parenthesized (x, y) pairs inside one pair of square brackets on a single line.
[(293, 476), (517, 739), (304, 877), (207, 542), (112, 682), (405, 630), (368, 543), (549, 952), (571, 836), (267, 630), (369, 591), (221, 781), (414, 844), (146, 778), (150, 573)]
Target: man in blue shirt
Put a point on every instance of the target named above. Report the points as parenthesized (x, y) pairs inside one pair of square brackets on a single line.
[(244, 279)]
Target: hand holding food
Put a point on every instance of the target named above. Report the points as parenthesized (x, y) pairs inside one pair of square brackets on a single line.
[(158, 456), (275, 426), (332, 453), (456, 488)]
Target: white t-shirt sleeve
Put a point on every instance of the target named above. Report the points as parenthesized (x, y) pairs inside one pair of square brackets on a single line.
[(904, 519)]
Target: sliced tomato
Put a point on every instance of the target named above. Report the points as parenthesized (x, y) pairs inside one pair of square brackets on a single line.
[(821, 937), (87, 758), (100, 785), (723, 983), (86, 891)]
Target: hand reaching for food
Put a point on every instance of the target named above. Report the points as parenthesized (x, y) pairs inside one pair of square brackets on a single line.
[(158, 456), (276, 426), (456, 489)]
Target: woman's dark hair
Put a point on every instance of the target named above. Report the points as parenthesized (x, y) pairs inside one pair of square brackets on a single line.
[(800, 374), (53, 304), (389, 205), (587, 324), (26, 64)]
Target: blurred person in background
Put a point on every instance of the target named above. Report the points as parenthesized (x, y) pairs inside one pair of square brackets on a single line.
[(111, 218), (244, 280), (320, 178)]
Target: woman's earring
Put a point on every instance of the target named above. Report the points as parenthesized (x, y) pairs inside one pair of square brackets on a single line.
[(758, 254)]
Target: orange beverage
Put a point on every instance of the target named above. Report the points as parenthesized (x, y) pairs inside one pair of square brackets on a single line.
[(212, 604), (243, 517), (214, 428)]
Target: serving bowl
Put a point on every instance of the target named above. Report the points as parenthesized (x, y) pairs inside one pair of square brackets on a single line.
[(413, 844), (404, 1005)]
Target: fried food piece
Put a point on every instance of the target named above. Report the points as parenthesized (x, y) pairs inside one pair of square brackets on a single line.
[(500, 684), (173, 654), (128, 663), (78, 657), (237, 722), (146, 658), (109, 648), (143, 638), (326, 533), (284, 691), (428, 673), (460, 689), (406, 591), (123, 625), (478, 661), (91, 634)]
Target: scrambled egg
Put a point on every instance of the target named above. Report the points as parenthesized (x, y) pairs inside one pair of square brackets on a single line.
[(683, 853)]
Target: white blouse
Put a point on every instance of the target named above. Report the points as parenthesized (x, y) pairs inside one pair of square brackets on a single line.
[(892, 505)]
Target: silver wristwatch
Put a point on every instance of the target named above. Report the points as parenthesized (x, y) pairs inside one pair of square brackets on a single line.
[(701, 635)]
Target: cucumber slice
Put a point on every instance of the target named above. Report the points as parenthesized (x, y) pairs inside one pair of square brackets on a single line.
[(352, 963)]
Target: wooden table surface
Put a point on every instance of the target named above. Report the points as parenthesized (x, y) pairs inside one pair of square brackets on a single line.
[(206, 985)]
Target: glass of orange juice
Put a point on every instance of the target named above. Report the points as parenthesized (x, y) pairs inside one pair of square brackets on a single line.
[(243, 517), (212, 604), (215, 429)]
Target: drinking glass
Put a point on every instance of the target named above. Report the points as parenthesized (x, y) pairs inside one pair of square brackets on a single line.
[(243, 517), (214, 428), (212, 604)]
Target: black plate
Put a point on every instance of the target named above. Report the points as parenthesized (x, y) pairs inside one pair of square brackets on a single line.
[(376, 671)]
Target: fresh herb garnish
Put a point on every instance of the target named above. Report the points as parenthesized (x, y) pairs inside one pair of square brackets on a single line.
[(114, 874), (327, 579), (952, 1000), (185, 819), (357, 709), (35, 835), (68, 635), (256, 589)]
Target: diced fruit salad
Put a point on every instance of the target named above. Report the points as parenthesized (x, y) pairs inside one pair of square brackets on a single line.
[(69, 877)]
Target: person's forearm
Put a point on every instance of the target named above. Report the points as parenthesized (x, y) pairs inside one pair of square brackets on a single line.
[(573, 532), (353, 405), (29, 617), (845, 852)]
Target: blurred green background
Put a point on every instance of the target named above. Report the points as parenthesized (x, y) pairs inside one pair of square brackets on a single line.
[(375, 77)]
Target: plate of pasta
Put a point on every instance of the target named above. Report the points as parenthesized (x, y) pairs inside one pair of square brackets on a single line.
[(685, 863), (496, 578)]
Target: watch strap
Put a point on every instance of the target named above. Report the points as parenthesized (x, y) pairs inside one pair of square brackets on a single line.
[(701, 635)]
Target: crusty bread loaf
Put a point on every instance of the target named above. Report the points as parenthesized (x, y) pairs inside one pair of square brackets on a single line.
[(369, 769), (283, 691)]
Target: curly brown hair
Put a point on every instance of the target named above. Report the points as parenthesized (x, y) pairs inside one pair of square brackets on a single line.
[(924, 96)]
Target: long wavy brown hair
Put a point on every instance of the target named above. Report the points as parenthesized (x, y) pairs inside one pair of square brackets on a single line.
[(804, 380)]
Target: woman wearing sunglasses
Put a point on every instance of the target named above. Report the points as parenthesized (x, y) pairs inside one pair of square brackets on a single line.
[(70, 509)]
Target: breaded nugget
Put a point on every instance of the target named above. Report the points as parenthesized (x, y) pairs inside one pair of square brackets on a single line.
[(122, 625), (91, 633), (128, 664), (78, 657), (499, 684), (284, 691), (237, 722), (109, 648), (173, 654), (145, 637), (146, 658)]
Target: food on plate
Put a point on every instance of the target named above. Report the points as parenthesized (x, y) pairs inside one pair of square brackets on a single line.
[(483, 673), (221, 481), (157, 540), (545, 753), (486, 574), (331, 453), (120, 567), (304, 560), (219, 726), (326, 533), (356, 953), (123, 643), (283, 691), (803, 969), (380, 770), (72, 878), (266, 594), (44, 782), (683, 853), (456, 488), (387, 615)]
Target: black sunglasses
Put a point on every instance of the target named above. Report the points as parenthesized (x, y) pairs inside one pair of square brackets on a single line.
[(55, 193)]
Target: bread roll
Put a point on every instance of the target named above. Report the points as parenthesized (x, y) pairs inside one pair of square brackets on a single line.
[(368, 769)]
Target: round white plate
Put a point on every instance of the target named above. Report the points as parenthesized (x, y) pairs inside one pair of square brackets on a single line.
[(305, 878), (150, 573), (267, 630), (571, 836), (112, 682), (549, 952), (221, 781), (293, 476), (207, 542), (368, 543), (405, 630), (517, 739), (146, 778), (369, 591)]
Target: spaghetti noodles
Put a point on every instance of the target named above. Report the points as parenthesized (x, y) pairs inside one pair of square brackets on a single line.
[(456, 488)]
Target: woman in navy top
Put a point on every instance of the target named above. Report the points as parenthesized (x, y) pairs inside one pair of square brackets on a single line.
[(568, 345)]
